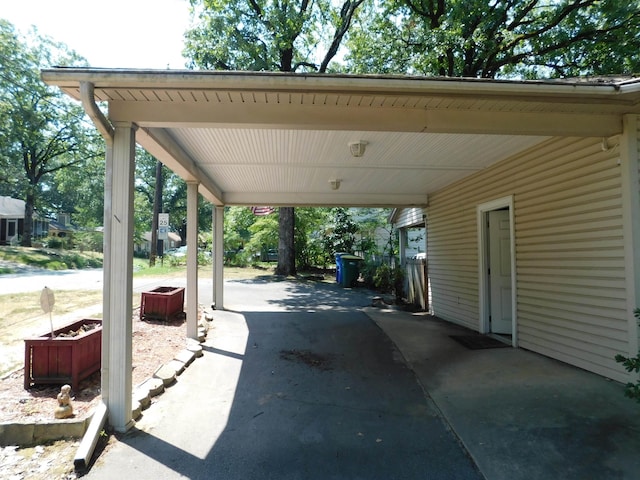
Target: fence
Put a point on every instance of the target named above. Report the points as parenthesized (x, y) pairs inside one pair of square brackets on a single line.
[(416, 283)]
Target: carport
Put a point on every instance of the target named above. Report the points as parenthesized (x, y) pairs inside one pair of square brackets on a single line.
[(248, 138)]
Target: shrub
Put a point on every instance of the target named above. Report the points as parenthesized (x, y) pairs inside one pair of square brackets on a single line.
[(384, 278), (631, 364), (54, 242)]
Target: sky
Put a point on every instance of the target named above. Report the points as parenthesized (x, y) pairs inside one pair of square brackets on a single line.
[(109, 34)]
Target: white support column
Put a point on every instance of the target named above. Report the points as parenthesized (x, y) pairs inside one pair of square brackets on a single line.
[(213, 257), (403, 236), (119, 279), (218, 257), (106, 273), (630, 164), (192, 260)]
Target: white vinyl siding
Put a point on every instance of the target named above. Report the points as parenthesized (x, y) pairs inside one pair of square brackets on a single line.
[(570, 262), (409, 217), (638, 161)]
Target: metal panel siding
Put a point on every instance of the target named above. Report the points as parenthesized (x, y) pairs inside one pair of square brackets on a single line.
[(569, 250)]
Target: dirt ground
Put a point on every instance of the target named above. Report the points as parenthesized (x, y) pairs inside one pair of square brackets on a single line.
[(154, 343)]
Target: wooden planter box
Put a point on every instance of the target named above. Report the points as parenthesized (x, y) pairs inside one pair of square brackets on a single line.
[(162, 303), (65, 359)]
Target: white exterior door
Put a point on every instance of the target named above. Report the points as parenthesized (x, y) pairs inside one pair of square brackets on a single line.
[(500, 272)]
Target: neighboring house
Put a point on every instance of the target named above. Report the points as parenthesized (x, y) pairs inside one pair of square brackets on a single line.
[(412, 252), (12, 221), (411, 225), (61, 227), (144, 247)]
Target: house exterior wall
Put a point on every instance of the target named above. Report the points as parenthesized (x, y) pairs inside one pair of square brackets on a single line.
[(409, 217), (569, 250), (412, 221), (637, 158)]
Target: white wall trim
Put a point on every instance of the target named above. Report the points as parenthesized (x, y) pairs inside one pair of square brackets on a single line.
[(483, 281)]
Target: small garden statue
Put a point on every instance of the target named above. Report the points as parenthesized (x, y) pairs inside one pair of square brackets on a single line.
[(64, 409)]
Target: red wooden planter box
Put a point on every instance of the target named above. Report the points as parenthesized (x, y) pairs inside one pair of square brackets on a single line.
[(162, 303), (61, 360)]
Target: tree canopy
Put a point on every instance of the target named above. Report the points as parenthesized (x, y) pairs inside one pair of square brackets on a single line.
[(496, 38), (270, 35), (42, 131)]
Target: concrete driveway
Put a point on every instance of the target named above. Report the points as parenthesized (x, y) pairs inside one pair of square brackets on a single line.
[(300, 384)]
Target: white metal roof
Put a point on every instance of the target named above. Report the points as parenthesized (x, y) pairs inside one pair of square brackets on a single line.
[(279, 139), (11, 207)]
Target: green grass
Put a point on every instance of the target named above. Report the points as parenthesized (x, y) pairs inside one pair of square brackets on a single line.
[(50, 259), (53, 259), (20, 306)]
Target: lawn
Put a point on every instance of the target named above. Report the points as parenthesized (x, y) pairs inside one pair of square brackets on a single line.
[(51, 259)]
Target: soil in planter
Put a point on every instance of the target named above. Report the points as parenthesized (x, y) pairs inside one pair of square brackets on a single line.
[(83, 329)]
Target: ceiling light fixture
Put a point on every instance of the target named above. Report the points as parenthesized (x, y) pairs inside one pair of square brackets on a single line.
[(357, 148)]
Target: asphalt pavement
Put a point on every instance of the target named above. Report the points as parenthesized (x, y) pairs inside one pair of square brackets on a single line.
[(307, 380), (300, 384)]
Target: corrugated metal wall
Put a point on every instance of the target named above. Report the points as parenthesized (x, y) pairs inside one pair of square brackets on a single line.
[(569, 250)]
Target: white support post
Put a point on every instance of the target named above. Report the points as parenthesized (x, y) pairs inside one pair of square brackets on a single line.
[(218, 257), (106, 272), (192, 260), (117, 315), (213, 257), (630, 163), (402, 247)]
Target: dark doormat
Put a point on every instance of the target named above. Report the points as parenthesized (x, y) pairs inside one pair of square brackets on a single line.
[(478, 342)]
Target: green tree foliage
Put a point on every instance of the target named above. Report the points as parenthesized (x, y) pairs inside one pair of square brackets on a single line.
[(248, 237), (497, 38), (310, 225), (632, 365), (78, 190), (174, 198), (42, 132), (340, 236), (270, 35)]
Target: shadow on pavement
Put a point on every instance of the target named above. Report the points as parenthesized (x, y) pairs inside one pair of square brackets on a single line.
[(313, 395)]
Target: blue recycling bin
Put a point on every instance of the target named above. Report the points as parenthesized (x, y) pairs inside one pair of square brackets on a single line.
[(350, 270), (339, 266)]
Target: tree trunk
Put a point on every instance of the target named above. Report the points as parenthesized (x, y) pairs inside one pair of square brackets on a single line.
[(286, 245), (27, 229), (157, 208)]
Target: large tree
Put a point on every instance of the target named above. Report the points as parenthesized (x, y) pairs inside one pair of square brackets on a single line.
[(497, 38), (270, 35), (42, 131)]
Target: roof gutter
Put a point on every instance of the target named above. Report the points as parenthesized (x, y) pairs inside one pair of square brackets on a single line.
[(90, 439), (370, 84), (95, 114)]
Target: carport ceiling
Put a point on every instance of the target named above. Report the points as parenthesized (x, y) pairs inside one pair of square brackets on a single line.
[(280, 139)]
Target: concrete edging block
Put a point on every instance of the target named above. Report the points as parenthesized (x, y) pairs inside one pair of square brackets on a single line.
[(167, 374), (185, 356)]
